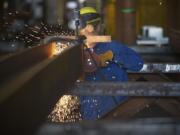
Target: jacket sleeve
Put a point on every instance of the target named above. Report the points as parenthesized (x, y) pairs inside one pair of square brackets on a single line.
[(126, 57)]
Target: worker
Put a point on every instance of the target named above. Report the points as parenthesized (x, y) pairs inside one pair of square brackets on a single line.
[(121, 59)]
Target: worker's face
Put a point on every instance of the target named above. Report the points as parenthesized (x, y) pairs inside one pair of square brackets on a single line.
[(88, 31)]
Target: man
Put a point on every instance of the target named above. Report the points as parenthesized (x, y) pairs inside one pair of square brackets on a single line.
[(121, 59)]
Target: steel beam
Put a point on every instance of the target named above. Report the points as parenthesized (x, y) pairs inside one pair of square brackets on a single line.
[(14, 63), (131, 127), (148, 89), (28, 95)]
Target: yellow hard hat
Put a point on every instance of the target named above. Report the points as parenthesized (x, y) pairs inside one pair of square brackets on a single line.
[(89, 15), (87, 10)]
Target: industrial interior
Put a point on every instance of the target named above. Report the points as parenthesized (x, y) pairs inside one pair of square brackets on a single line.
[(41, 62)]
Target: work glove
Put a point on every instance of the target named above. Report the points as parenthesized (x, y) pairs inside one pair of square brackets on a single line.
[(93, 61), (105, 58)]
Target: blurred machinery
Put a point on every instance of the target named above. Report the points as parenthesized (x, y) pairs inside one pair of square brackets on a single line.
[(152, 35), (16, 17)]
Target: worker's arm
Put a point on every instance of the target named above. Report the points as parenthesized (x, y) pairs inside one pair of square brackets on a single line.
[(126, 57), (91, 39)]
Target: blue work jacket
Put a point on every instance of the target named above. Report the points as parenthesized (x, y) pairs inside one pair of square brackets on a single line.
[(124, 58)]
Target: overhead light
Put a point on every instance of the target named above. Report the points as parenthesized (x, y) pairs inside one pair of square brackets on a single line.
[(5, 5), (81, 1), (71, 5)]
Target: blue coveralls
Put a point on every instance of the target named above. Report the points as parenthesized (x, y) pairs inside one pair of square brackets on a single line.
[(124, 58)]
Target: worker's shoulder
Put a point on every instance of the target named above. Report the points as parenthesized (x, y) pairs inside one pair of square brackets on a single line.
[(113, 45), (116, 44)]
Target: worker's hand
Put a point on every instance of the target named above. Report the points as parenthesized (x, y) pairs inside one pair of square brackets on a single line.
[(105, 58), (92, 40)]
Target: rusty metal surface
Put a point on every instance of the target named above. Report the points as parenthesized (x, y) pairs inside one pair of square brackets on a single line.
[(160, 68), (143, 107), (17, 62), (172, 106), (132, 127), (27, 97), (129, 108), (127, 89), (175, 39)]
